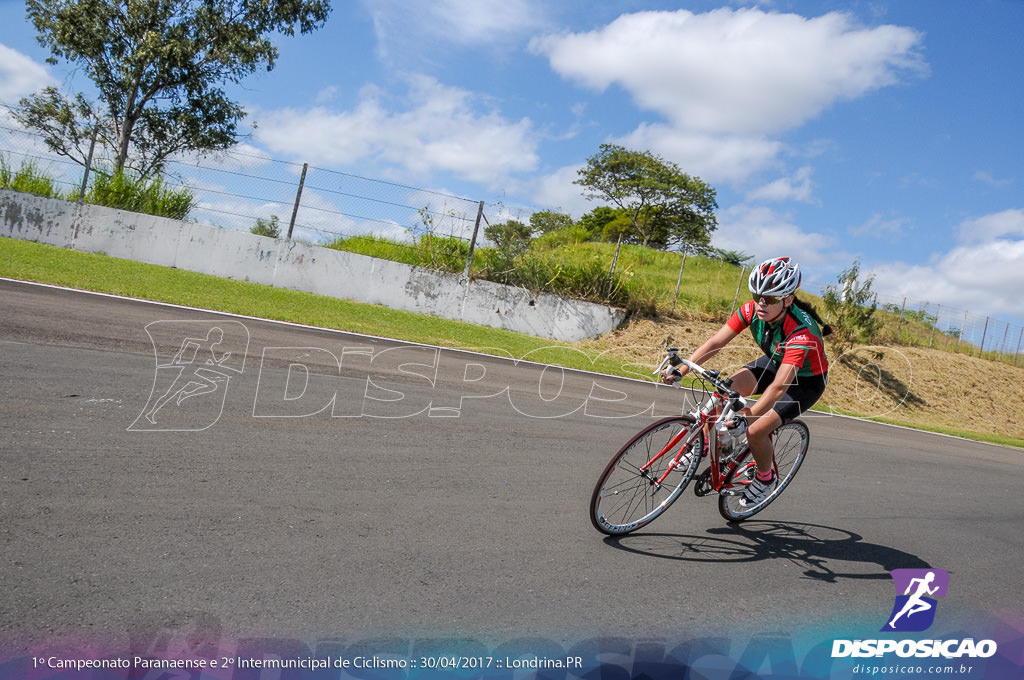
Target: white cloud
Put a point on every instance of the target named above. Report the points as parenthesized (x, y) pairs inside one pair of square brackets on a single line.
[(987, 178), (983, 274), (470, 23), (799, 187), (738, 72), (444, 129), (713, 158), (326, 95), (736, 76), (878, 227), (20, 76), (762, 233), (242, 157), (1009, 223), (556, 191)]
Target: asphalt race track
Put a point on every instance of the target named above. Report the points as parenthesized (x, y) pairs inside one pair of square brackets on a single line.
[(167, 471)]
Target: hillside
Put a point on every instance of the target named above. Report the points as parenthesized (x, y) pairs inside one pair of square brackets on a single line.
[(911, 386)]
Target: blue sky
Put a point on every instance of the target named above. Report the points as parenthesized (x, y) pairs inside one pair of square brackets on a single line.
[(885, 130)]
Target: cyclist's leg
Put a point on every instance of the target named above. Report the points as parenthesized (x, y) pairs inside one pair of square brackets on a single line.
[(759, 433), (800, 396), (744, 381), (754, 378)]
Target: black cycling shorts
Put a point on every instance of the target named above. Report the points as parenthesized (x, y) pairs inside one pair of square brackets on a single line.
[(800, 396)]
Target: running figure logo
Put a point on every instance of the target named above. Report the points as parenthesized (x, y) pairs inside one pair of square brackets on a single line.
[(195, 361), (916, 590)]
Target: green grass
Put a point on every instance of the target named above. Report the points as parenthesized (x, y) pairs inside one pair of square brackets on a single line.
[(30, 261), (644, 283), (376, 246), (126, 191), (150, 196), (29, 178), (708, 287)]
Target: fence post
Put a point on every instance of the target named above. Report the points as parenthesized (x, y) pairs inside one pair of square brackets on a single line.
[(899, 323), (1002, 345), (679, 282), (88, 166), (298, 198), (736, 297), (931, 338), (472, 241), (1017, 353), (984, 334), (963, 329), (615, 257)]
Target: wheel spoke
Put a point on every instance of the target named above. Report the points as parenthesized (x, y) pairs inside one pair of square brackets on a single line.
[(627, 496), (790, 442)]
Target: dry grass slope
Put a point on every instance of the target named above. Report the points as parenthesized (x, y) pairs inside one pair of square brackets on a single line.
[(912, 386)]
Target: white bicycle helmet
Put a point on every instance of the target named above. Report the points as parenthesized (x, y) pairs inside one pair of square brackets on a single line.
[(779, 276)]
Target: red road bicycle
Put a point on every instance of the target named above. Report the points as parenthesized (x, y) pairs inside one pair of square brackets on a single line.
[(652, 469)]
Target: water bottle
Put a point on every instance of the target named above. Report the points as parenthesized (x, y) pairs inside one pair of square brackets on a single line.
[(731, 437), (726, 441)]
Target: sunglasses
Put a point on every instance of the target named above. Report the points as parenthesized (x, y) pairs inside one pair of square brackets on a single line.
[(767, 299)]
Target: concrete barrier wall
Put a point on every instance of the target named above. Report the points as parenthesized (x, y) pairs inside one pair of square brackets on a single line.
[(286, 264)]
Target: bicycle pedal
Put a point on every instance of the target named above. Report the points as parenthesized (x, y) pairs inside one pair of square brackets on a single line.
[(735, 488)]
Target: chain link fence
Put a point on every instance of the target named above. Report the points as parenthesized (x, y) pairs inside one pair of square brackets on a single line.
[(957, 330), (234, 189)]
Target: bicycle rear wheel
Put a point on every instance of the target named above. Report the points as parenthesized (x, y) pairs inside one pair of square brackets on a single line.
[(627, 496), (790, 442)]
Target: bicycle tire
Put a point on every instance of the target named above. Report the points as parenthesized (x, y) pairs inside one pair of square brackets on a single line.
[(790, 441), (624, 499)]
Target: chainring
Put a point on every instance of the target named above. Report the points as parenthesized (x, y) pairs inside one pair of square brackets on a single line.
[(702, 484)]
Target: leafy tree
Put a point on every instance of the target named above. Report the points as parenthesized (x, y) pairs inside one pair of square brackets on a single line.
[(618, 230), (736, 258), (597, 219), (549, 221), (158, 67), (271, 227), (665, 206), (851, 307), (511, 238)]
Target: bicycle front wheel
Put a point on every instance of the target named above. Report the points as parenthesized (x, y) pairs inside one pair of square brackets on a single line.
[(628, 494), (790, 442)]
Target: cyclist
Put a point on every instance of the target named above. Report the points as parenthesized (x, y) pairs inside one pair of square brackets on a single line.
[(792, 374)]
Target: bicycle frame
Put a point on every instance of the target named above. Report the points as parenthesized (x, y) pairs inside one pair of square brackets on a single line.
[(722, 404)]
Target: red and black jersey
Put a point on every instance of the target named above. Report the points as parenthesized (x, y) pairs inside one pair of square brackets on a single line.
[(795, 339)]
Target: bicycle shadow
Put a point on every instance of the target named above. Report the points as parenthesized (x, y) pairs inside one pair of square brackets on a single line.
[(820, 549)]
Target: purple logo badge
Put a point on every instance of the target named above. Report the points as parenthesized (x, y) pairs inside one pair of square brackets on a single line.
[(916, 590)]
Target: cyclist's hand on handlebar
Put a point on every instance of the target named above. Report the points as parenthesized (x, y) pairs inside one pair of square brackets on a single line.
[(672, 367), (738, 423), (673, 374)]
